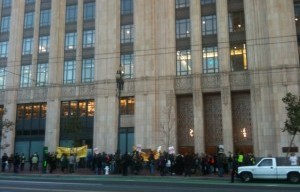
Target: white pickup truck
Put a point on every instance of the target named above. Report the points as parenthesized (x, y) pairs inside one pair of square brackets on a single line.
[(269, 168)]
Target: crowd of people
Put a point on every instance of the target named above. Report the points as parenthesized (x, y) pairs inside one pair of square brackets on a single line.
[(133, 163)]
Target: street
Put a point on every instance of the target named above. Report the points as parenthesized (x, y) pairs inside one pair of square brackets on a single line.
[(14, 183)]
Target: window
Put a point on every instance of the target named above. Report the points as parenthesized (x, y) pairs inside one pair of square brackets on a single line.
[(29, 2), (127, 61), (25, 80), (126, 7), (3, 49), (209, 25), (183, 28), (182, 3), (127, 105), (6, 3), (89, 11), (89, 38), (204, 2), (45, 17), (27, 46), (5, 24), (71, 13), (29, 20), (236, 22), (42, 74), (31, 119), (238, 57), (265, 162), (297, 10), (183, 62), (2, 77), (210, 60), (69, 72), (70, 41), (127, 34), (44, 44), (87, 70)]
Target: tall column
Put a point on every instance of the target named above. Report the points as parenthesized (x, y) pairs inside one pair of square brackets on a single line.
[(13, 70), (224, 62), (145, 68), (35, 41), (79, 41), (107, 61), (56, 61), (196, 42)]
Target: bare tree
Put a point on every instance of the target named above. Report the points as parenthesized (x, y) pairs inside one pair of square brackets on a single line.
[(167, 125), (7, 128)]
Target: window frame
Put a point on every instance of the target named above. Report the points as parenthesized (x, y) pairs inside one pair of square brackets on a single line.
[(69, 73), (183, 28), (235, 50), (42, 74), (209, 25), (44, 41), (4, 49), (71, 41), (127, 62), (2, 77), (45, 18), (210, 54), (126, 7), (88, 38), (71, 13), (89, 11), (5, 23), (88, 70), (127, 34), (27, 46), (186, 57), (25, 76), (29, 20), (182, 3)]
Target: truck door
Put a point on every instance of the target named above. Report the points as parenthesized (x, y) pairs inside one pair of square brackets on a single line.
[(265, 170)]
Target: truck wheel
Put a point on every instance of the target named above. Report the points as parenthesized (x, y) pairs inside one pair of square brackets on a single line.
[(246, 177), (294, 177)]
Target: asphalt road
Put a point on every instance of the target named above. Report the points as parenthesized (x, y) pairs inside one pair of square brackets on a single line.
[(43, 183)]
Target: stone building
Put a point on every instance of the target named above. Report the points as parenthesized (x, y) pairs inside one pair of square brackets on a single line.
[(197, 74)]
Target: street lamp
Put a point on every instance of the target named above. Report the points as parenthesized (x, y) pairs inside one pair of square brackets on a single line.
[(120, 85)]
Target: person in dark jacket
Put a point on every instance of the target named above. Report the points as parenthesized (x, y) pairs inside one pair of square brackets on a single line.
[(4, 161), (234, 167)]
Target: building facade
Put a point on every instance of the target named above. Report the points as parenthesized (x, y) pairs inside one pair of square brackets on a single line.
[(197, 74)]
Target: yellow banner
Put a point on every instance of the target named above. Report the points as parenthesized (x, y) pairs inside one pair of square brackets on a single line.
[(80, 152)]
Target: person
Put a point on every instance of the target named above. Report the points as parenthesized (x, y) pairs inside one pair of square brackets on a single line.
[(23, 158), (293, 159), (34, 161), (72, 162), (234, 167), (17, 161), (64, 162), (4, 161)]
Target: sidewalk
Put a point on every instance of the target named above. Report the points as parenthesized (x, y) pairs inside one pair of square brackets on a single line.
[(87, 174)]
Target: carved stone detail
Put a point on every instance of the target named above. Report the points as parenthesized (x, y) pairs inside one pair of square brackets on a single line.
[(68, 91), (213, 120), (184, 83), (185, 119), (24, 94), (87, 90), (211, 81), (40, 93), (241, 79), (241, 116)]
